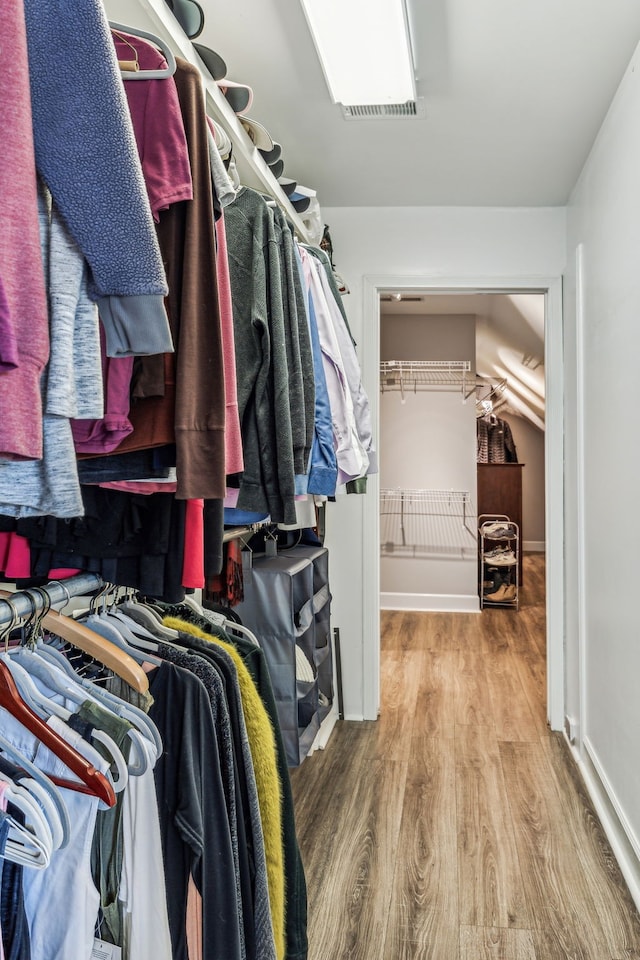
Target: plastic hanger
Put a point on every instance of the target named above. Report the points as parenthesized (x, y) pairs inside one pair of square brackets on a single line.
[(147, 74), (67, 686), (97, 647), (98, 694), (30, 844), (28, 774), (13, 703), (42, 796), (145, 616), (115, 634), (43, 705)]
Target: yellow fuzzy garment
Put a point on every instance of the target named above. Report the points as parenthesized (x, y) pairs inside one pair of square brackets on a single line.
[(263, 754)]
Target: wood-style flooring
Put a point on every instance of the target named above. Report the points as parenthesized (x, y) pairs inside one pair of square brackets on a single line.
[(456, 826)]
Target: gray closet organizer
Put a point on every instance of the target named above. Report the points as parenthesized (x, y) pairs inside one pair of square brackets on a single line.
[(287, 604)]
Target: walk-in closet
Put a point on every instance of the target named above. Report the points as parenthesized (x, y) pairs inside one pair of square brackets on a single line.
[(315, 321)]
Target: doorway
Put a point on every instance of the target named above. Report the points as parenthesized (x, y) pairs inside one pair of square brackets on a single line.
[(553, 472), (462, 407)]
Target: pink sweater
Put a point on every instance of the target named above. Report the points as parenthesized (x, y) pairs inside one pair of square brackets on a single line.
[(24, 332), (234, 462)]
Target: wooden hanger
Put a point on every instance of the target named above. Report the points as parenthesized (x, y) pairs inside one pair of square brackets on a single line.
[(93, 644), (97, 647), (11, 700)]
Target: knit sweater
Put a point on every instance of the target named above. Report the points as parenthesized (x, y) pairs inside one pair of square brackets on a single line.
[(267, 485), (86, 153), (24, 336), (298, 348)]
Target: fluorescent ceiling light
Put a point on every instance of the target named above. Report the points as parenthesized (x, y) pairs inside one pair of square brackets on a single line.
[(364, 48)]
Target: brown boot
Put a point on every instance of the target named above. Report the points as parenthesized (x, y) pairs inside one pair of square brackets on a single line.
[(498, 595)]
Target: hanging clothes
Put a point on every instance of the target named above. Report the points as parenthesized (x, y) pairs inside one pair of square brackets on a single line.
[(495, 443), (80, 116), (267, 483), (24, 334)]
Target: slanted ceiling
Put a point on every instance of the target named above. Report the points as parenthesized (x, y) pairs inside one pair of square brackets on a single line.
[(509, 341)]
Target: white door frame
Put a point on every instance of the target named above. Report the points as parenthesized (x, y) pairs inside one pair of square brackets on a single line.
[(554, 469)]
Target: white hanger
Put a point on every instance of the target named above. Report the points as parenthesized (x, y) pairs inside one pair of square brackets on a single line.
[(47, 708), (68, 685), (98, 694), (36, 776), (31, 844), (147, 74), (149, 619), (116, 632)]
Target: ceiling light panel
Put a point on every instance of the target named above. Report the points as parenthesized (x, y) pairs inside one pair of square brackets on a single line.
[(364, 48)]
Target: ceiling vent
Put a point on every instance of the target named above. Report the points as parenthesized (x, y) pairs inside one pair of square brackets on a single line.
[(383, 111)]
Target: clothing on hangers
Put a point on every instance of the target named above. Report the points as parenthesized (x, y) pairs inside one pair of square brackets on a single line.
[(495, 443)]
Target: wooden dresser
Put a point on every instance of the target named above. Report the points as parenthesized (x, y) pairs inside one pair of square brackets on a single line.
[(500, 491)]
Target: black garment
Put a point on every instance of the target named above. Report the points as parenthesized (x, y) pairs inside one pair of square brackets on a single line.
[(13, 919), (115, 524), (130, 539), (191, 806), (295, 881), (134, 465), (214, 684), (495, 443), (213, 534)]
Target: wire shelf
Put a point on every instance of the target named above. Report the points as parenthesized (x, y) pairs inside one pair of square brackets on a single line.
[(412, 376), (419, 522)]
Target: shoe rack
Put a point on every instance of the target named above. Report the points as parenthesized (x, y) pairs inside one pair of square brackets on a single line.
[(498, 561)]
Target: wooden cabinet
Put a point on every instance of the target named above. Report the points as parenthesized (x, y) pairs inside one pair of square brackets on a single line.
[(500, 491)]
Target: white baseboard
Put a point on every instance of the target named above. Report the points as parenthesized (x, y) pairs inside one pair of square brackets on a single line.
[(442, 603), (624, 843), (533, 546), (325, 731)]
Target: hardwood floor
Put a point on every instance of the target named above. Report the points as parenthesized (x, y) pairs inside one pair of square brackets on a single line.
[(456, 827)]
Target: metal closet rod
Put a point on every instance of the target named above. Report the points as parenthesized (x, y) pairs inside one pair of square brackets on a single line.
[(57, 590), (235, 533)]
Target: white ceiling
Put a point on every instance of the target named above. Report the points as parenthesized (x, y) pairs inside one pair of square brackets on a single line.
[(514, 93)]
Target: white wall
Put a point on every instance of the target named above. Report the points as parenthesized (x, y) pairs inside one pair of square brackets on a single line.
[(475, 244), (603, 460), (428, 442)]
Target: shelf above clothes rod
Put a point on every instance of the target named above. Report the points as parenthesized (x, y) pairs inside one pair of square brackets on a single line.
[(253, 170), (412, 376)]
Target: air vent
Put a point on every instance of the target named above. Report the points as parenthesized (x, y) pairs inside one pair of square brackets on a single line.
[(383, 111)]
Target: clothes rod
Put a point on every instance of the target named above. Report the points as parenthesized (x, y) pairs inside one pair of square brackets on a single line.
[(235, 533), (22, 601)]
